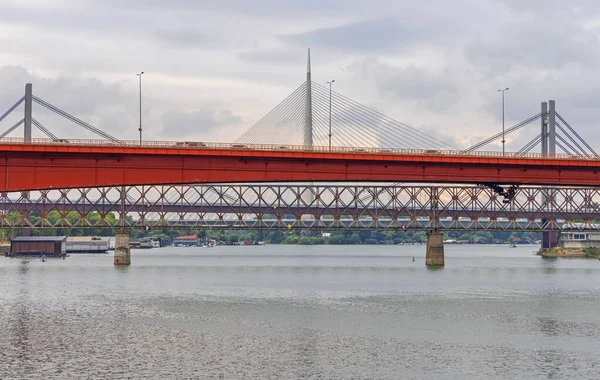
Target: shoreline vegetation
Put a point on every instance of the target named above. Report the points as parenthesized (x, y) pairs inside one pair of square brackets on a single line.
[(586, 253), (302, 237)]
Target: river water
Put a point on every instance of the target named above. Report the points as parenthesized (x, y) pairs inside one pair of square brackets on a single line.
[(297, 312)]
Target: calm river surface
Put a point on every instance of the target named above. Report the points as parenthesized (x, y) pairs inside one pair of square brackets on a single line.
[(295, 312)]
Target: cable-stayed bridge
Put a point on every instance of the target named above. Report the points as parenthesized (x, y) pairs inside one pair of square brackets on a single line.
[(318, 160)]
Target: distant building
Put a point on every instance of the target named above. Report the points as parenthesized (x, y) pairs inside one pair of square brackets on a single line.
[(187, 240), (141, 243), (574, 239), (159, 242), (87, 244), (38, 245), (577, 239)]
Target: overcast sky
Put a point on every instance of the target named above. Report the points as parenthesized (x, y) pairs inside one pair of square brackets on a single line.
[(214, 67)]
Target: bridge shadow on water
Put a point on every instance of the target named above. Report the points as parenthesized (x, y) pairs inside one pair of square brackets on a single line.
[(434, 267)]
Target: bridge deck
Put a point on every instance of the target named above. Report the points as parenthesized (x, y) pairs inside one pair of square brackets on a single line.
[(95, 163)]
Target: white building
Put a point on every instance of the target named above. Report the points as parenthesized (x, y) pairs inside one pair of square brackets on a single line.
[(580, 239), (87, 244)]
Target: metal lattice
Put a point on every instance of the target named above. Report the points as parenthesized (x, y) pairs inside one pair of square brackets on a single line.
[(290, 207)]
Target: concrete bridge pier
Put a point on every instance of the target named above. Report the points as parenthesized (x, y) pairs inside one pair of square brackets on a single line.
[(434, 256), (122, 250), (549, 239)]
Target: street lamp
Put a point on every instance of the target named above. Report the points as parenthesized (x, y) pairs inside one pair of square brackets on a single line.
[(140, 129), (330, 83), (503, 141)]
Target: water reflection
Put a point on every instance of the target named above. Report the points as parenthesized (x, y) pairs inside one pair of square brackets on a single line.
[(327, 312), (24, 267), (20, 322), (434, 268), (548, 326), (306, 353)]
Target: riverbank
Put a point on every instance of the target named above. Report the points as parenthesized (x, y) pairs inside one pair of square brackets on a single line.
[(589, 253)]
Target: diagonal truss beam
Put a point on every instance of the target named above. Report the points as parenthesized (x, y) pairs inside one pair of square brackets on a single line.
[(355, 207)]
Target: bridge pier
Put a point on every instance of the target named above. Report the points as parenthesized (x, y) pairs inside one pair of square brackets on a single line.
[(122, 249), (434, 256), (549, 239)]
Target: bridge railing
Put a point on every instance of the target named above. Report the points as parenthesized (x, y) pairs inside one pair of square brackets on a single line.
[(196, 145)]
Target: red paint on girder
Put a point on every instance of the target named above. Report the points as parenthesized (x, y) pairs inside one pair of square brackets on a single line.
[(32, 167)]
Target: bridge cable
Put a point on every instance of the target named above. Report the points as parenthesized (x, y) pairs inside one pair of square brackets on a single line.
[(363, 130), (563, 148), (576, 134), (576, 152), (276, 131), (359, 138), (43, 129), (322, 127), (284, 124), (371, 112), (286, 120), (74, 119), (12, 108), (573, 140), (293, 121), (358, 122), (580, 151), (9, 130), (368, 121), (530, 145), (368, 115), (506, 132), (289, 115), (351, 139), (256, 128)]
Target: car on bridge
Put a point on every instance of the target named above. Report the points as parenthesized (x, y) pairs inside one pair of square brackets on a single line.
[(60, 141), (191, 144)]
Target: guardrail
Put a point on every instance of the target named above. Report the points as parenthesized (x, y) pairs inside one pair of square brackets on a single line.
[(295, 148)]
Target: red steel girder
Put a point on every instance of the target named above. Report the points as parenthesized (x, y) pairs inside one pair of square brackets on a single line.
[(33, 167)]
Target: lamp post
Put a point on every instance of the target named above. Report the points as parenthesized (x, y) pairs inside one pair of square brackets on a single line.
[(330, 83), (503, 140), (140, 129)]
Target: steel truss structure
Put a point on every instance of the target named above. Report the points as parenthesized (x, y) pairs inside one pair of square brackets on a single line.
[(316, 207)]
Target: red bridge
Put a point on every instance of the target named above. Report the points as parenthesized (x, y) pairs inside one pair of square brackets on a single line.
[(44, 164), (263, 154)]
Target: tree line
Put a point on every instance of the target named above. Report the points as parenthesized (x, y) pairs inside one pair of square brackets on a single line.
[(268, 236)]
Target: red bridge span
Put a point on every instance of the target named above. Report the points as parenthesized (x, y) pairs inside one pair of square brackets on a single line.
[(44, 164)]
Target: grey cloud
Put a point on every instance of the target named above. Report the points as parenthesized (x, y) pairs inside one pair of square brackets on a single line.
[(423, 64), (109, 107), (278, 56), (257, 8), (589, 6), (184, 38), (198, 123), (437, 91), (362, 36), (88, 99), (536, 46)]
